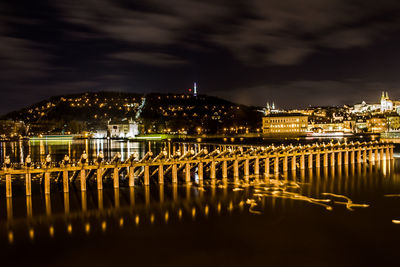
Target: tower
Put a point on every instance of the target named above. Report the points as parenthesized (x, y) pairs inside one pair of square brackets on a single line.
[(195, 89), (386, 103)]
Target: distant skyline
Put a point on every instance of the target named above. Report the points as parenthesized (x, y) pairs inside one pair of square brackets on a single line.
[(294, 53)]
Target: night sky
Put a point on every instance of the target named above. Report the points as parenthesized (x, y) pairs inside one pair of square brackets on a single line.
[(295, 53)]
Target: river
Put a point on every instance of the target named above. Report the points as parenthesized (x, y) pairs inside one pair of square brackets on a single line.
[(299, 220)]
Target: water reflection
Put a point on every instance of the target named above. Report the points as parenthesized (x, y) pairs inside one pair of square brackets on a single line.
[(91, 212), (38, 149)]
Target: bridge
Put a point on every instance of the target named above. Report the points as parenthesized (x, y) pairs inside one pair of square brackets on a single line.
[(195, 162)]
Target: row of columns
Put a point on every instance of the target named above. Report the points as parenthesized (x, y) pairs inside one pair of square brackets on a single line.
[(358, 155)]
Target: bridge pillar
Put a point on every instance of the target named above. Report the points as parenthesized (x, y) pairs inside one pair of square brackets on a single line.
[(8, 186), (276, 165), (66, 181), (302, 159), (161, 174), (212, 170), (346, 156), (359, 160), (82, 179), (381, 153), (187, 172), (200, 172), (28, 184), (318, 159), (352, 156), (131, 176), (47, 183), (376, 153), (387, 152), (246, 169), (257, 167), (294, 175), (116, 177), (285, 163), (224, 169), (310, 160), (325, 158), (266, 167), (146, 175), (293, 164), (174, 174), (339, 158), (332, 159), (364, 155), (370, 155), (236, 169)]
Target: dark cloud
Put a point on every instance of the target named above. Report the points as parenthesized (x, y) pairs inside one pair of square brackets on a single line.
[(325, 92), (21, 58), (149, 58), (288, 31), (246, 50), (261, 32)]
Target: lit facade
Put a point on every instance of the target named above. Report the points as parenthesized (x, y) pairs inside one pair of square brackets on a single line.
[(377, 125), (123, 129), (385, 105), (12, 128), (344, 127), (393, 123), (285, 124)]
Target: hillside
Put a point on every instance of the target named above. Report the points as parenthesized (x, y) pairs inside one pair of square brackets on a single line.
[(154, 112)]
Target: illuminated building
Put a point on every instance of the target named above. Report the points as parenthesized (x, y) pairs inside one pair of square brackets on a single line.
[(393, 122), (123, 129), (385, 105), (344, 127), (361, 125), (377, 124), (12, 128), (364, 107), (271, 109), (285, 123)]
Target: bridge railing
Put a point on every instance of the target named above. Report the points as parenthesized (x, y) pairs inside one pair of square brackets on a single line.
[(189, 163)]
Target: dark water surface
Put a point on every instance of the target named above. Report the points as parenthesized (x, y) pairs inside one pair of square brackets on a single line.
[(264, 223)]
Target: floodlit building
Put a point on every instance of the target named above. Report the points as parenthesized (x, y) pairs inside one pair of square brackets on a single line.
[(285, 123), (364, 107), (377, 124), (393, 122), (123, 129), (385, 105), (12, 128), (270, 109), (342, 127)]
